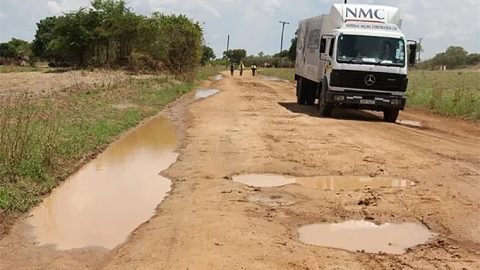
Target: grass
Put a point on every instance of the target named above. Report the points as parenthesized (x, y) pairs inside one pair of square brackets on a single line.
[(12, 69), (452, 93), (44, 139)]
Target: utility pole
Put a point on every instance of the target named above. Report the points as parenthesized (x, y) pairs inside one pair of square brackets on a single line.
[(228, 44), (281, 41), (345, 1), (420, 49)]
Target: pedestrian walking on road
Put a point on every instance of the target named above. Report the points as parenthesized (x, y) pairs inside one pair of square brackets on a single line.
[(254, 69), (232, 68), (242, 67)]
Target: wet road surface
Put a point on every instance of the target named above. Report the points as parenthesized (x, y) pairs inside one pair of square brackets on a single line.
[(253, 126)]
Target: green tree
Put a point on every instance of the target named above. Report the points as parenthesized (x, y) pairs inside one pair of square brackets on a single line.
[(292, 52), (207, 55), (44, 35), (235, 55), (7, 50)]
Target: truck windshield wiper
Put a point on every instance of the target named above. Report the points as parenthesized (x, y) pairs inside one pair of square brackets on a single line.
[(357, 59)]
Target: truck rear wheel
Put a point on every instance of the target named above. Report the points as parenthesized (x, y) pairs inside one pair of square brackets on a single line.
[(300, 92), (325, 108), (391, 115)]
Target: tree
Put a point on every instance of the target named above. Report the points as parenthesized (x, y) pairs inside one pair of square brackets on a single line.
[(235, 55), (261, 54), (7, 50), (282, 54), (207, 55), (473, 59), (292, 52)]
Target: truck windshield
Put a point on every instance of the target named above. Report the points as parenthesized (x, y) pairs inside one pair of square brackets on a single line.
[(383, 51)]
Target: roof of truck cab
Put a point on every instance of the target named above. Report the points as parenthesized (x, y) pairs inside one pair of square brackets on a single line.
[(376, 33)]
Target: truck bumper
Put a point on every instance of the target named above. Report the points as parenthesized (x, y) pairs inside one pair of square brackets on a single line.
[(366, 101)]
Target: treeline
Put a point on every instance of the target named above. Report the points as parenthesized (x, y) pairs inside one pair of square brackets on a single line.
[(453, 57), (110, 34)]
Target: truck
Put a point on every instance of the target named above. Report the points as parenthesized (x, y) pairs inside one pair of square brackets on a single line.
[(355, 57)]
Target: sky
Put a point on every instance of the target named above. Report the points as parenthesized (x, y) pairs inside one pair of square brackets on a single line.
[(254, 24)]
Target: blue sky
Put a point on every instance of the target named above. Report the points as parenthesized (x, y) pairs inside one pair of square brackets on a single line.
[(254, 24)]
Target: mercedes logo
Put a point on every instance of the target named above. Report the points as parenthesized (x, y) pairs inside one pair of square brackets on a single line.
[(369, 80)]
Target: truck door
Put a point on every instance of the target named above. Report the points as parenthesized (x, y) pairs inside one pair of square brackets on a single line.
[(327, 50)]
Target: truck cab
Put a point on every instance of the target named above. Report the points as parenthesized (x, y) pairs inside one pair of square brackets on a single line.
[(358, 64)]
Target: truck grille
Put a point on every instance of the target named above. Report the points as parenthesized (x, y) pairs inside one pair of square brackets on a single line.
[(357, 79)]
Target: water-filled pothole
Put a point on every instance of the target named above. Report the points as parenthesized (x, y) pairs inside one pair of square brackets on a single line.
[(352, 182), (206, 93), (322, 182), (410, 123), (273, 79), (263, 180), (113, 194), (366, 236), (218, 77)]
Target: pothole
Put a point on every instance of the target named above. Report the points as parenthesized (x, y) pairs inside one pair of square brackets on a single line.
[(409, 123), (336, 183), (263, 180), (112, 195), (271, 200), (206, 93), (366, 236), (333, 183), (218, 77)]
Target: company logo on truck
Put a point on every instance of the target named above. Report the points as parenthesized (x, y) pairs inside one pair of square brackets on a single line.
[(365, 13), (370, 80)]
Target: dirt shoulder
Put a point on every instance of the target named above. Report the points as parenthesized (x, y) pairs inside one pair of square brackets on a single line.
[(254, 126)]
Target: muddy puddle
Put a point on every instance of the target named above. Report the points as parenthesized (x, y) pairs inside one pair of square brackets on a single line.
[(263, 180), (206, 93), (218, 77), (366, 236), (322, 182), (409, 123), (108, 198), (272, 79)]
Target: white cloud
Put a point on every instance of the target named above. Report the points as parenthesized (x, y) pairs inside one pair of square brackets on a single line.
[(253, 24), (54, 7)]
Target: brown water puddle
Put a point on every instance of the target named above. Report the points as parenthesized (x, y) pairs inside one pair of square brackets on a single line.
[(351, 182), (366, 236), (322, 182), (112, 195), (263, 180)]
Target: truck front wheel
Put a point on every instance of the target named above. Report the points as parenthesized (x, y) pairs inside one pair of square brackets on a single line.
[(325, 108), (300, 92), (391, 115)]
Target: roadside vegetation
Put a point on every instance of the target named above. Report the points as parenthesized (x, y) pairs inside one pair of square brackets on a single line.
[(46, 137)]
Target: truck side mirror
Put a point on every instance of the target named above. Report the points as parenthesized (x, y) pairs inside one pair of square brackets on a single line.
[(413, 54), (323, 44)]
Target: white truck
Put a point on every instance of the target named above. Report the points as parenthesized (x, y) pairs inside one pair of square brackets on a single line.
[(354, 57)]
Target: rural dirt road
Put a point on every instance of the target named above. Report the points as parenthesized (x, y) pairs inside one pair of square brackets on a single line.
[(255, 126)]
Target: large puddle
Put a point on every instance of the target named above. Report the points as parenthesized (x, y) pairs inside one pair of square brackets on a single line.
[(263, 180), (112, 195), (366, 236), (322, 182), (206, 93)]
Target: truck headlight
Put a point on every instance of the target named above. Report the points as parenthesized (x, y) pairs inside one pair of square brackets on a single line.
[(396, 101), (338, 98)]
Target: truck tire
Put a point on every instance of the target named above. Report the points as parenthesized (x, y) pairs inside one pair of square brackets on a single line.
[(310, 95), (301, 91), (391, 115), (325, 108)]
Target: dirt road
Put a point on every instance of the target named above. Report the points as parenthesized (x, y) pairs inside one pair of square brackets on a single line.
[(255, 126)]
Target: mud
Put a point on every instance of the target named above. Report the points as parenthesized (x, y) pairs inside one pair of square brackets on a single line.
[(108, 198), (366, 236), (206, 93)]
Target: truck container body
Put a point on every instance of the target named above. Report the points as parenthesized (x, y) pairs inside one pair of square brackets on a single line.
[(354, 57)]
